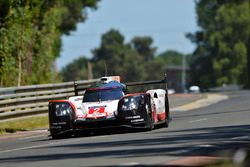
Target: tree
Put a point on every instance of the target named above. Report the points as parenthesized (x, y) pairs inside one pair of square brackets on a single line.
[(30, 34), (143, 46), (114, 57), (171, 57), (222, 43), (109, 56), (133, 61), (76, 70)]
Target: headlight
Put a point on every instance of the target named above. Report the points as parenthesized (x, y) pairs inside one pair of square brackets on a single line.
[(62, 109), (130, 106)]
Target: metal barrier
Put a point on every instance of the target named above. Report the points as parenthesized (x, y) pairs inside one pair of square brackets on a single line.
[(29, 100)]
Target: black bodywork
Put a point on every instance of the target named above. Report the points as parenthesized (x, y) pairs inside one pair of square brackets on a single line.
[(63, 123), (135, 111), (61, 118)]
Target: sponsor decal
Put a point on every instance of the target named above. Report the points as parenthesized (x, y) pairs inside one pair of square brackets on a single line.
[(55, 127), (96, 115), (78, 99), (137, 120), (97, 107), (96, 110), (133, 117)]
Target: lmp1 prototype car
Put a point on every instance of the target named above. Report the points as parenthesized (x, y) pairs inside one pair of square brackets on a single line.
[(106, 104)]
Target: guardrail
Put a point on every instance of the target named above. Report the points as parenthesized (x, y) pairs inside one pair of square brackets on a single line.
[(29, 100)]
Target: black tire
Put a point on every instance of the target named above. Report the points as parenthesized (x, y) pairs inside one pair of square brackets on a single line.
[(167, 119), (61, 135), (150, 122), (166, 123), (56, 136)]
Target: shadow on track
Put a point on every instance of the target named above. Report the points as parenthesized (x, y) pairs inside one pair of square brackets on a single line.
[(98, 132), (185, 144)]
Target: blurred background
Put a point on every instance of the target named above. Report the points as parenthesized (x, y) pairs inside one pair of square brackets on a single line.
[(197, 43)]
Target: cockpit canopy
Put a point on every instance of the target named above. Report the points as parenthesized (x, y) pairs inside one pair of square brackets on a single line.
[(104, 92)]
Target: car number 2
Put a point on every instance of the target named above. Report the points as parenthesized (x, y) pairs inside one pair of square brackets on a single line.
[(96, 110)]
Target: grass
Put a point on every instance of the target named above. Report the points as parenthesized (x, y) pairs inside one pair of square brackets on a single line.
[(24, 124), (227, 163)]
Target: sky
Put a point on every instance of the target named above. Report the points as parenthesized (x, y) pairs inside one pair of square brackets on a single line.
[(166, 21)]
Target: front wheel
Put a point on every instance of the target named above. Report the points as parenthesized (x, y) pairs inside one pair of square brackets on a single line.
[(150, 119), (61, 136)]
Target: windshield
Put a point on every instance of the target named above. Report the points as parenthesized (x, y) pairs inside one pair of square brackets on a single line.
[(102, 95)]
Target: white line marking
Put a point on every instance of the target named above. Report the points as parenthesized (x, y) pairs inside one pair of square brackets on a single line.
[(184, 150), (198, 120), (240, 137), (191, 149), (25, 148), (129, 164), (48, 144), (205, 145)]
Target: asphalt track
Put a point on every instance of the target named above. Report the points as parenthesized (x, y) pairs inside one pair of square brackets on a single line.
[(218, 129)]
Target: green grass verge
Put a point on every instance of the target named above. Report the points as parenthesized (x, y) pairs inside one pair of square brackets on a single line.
[(24, 124), (226, 163)]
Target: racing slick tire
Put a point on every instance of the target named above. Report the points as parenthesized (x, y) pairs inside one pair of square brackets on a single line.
[(56, 136), (167, 119), (61, 135), (150, 120)]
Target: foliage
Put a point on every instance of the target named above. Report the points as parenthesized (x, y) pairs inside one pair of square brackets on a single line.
[(172, 57), (130, 61), (77, 70), (142, 45), (30, 34), (222, 43), (133, 61)]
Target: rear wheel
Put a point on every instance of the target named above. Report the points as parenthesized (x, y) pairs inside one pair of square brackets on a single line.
[(151, 123), (166, 123), (167, 119)]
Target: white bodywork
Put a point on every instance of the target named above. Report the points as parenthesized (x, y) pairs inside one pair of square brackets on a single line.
[(110, 78), (77, 101), (94, 109), (158, 99), (100, 109)]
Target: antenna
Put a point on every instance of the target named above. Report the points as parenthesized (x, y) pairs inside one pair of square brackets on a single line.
[(106, 70), (75, 88), (166, 82)]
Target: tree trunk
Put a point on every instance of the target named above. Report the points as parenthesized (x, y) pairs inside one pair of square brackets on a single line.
[(90, 72), (248, 64), (19, 70)]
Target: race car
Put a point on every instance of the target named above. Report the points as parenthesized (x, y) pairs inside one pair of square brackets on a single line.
[(107, 104)]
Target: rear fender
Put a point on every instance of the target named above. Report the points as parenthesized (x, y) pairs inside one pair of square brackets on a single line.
[(158, 99)]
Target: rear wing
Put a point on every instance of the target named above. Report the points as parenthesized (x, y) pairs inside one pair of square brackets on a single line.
[(78, 88), (164, 81)]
